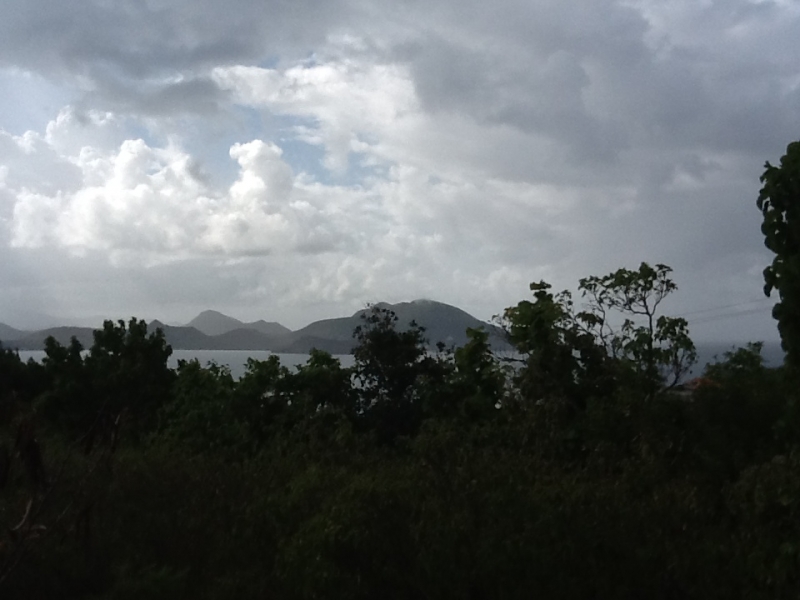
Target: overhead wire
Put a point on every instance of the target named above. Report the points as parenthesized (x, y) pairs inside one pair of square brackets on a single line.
[(728, 306), (741, 313), (718, 313)]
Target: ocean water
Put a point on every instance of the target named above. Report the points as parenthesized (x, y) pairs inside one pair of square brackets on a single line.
[(236, 360), (772, 353)]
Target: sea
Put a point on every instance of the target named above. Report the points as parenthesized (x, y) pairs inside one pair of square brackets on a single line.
[(236, 360)]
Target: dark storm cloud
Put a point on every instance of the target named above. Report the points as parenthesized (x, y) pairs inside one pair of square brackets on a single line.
[(197, 96), (142, 39), (504, 141), (586, 74)]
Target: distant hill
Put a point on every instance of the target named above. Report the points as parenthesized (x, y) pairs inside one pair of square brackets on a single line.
[(270, 328), (34, 340), (338, 329), (8, 333), (442, 323), (244, 339), (212, 322), (183, 338)]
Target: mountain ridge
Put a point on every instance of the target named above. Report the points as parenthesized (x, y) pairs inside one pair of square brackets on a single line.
[(8, 332), (442, 323), (213, 323)]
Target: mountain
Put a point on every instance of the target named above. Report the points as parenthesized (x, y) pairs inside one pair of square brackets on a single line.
[(442, 323), (34, 340), (8, 333), (184, 338), (212, 322), (338, 329), (217, 331), (244, 339), (270, 328)]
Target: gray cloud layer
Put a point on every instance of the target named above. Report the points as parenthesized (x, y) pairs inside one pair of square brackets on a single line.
[(291, 160)]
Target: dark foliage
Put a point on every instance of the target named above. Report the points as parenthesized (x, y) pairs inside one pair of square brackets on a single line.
[(574, 468), (779, 202)]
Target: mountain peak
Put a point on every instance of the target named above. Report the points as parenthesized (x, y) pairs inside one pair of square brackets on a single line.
[(211, 313), (213, 322), (428, 303), (9, 333)]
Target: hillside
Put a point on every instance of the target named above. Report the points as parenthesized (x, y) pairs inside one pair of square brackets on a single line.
[(34, 340), (442, 323), (212, 330), (212, 322), (8, 333), (184, 338), (244, 339), (270, 328)]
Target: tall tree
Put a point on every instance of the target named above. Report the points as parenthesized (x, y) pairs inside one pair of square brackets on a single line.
[(658, 346), (577, 355), (390, 365), (779, 202)]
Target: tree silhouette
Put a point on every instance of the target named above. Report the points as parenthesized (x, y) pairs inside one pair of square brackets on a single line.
[(779, 202)]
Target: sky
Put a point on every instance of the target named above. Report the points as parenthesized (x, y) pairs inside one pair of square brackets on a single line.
[(291, 160)]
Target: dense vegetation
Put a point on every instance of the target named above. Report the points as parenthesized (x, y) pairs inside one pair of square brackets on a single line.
[(574, 468)]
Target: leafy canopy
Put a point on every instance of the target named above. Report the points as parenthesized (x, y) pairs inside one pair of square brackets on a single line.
[(779, 202)]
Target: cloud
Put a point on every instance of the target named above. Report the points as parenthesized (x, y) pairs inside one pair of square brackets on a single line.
[(141, 39), (149, 202), (349, 102), (143, 205), (307, 158)]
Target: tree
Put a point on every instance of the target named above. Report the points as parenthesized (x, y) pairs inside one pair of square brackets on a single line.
[(479, 379), (68, 401), (126, 370), (322, 384), (659, 347), (779, 202), (579, 354), (561, 357), (260, 397), (200, 413), (389, 367), (129, 372)]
